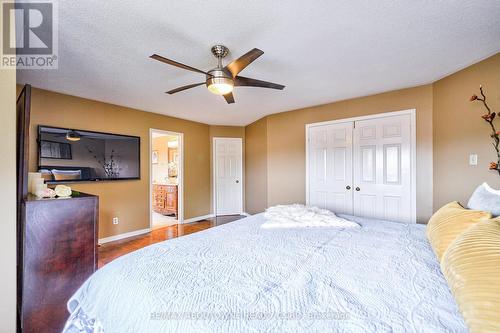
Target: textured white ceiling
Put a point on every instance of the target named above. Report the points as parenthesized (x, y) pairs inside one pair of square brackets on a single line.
[(323, 51)]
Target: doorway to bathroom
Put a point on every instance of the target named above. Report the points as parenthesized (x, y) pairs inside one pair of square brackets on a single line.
[(166, 178)]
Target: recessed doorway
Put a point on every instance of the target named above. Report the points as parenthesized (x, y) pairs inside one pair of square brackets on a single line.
[(166, 178)]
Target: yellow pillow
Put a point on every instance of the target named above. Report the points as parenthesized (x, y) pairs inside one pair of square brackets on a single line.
[(449, 222), (471, 265)]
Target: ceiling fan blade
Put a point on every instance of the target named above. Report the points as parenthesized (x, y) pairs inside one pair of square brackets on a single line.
[(241, 81), (176, 90), (229, 98), (239, 64), (177, 64)]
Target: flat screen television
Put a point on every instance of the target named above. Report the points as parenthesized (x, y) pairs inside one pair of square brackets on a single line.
[(70, 155)]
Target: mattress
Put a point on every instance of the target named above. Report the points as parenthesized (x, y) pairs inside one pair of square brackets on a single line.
[(239, 277)]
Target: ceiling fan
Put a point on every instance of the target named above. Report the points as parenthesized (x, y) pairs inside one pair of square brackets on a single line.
[(222, 80)]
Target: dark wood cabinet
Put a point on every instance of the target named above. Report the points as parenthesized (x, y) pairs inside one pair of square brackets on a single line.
[(59, 252), (165, 199)]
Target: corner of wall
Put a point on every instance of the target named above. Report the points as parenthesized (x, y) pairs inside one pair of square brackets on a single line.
[(8, 235), (256, 166)]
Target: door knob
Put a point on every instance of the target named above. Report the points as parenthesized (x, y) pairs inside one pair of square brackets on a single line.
[(347, 187), (358, 189), (237, 181)]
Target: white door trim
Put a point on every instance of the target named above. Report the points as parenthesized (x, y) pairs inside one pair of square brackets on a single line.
[(214, 178), (180, 175), (367, 117), (412, 113)]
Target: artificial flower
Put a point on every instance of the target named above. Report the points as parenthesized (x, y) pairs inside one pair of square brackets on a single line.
[(489, 117), (45, 193), (63, 191)]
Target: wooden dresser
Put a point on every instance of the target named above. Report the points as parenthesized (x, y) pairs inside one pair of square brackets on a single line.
[(165, 199), (58, 245)]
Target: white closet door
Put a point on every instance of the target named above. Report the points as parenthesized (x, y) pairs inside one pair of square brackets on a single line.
[(382, 168), (228, 176), (330, 167)]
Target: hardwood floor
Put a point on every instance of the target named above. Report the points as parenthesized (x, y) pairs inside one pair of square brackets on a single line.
[(113, 250)]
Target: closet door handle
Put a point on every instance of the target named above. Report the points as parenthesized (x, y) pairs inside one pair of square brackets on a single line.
[(358, 189), (347, 187)]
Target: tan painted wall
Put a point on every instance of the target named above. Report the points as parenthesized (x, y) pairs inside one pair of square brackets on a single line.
[(286, 144), (216, 131), (256, 166), (129, 200), (460, 131), (8, 200)]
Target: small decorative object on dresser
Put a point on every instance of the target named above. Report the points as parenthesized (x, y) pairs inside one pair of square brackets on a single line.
[(63, 191), (35, 182), (45, 193), (494, 134)]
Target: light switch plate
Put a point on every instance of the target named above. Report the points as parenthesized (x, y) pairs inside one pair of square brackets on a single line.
[(473, 159)]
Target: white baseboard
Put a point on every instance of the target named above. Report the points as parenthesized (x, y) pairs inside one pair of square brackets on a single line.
[(124, 235), (197, 218), (145, 231)]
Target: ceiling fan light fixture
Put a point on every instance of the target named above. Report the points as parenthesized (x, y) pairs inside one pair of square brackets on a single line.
[(221, 80), (73, 136), (220, 85)]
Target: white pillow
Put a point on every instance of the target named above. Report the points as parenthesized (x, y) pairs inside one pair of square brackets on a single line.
[(486, 199)]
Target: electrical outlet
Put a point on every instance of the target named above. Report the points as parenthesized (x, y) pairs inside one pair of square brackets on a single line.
[(116, 220), (473, 159)]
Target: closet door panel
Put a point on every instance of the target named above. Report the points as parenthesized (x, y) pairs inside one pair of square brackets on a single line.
[(382, 168), (330, 167)]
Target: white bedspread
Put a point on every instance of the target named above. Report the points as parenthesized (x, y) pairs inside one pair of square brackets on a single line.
[(239, 277)]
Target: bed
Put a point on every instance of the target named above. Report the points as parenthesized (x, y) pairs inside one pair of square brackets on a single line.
[(239, 277)]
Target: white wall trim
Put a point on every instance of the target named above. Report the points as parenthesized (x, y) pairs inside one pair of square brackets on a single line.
[(197, 218), (367, 117), (180, 175), (413, 121), (145, 231), (413, 129), (124, 235), (214, 180)]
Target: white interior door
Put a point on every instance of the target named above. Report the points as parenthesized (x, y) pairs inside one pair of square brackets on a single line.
[(382, 168), (228, 185), (330, 167)]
